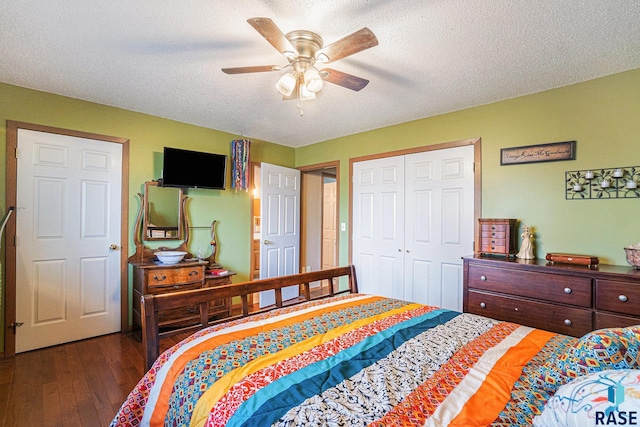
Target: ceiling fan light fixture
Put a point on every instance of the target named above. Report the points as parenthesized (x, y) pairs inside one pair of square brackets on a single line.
[(286, 84), (312, 80), (305, 94), (322, 57)]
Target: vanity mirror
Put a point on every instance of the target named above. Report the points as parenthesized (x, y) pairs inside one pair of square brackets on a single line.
[(161, 217)]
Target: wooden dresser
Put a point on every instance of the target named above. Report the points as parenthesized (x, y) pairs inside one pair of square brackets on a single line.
[(497, 236), (568, 299), (153, 277)]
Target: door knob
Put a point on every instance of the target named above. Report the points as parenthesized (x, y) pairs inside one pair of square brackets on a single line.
[(113, 247), (266, 242)]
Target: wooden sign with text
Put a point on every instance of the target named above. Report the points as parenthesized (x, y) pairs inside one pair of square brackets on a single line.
[(551, 152)]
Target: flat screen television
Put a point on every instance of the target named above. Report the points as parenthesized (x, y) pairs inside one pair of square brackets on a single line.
[(193, 169)]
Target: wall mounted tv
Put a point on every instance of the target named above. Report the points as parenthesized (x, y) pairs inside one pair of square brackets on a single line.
[(193, 169)]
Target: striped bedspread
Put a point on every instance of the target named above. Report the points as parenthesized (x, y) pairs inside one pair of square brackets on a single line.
[(354, 360)]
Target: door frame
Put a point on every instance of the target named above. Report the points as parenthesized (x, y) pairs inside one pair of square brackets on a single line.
[(11, 198), (318, 167), (477, 178)]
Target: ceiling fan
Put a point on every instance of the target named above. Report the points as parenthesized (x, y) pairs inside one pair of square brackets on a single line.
[(306, 54)]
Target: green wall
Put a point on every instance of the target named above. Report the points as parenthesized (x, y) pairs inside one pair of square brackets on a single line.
[(602, 115)]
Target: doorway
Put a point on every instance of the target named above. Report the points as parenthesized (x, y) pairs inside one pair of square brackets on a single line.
[(319, 226), (319, 213)]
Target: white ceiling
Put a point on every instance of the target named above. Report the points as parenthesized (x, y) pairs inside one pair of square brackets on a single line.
[(163, 57)]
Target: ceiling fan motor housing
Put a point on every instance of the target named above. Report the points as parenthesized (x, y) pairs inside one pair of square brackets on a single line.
[(307, 43)]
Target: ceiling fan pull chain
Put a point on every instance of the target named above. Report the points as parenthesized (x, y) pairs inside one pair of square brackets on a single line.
[(300, 110)]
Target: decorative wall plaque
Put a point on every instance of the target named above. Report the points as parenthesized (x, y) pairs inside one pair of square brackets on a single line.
[(551, 152)]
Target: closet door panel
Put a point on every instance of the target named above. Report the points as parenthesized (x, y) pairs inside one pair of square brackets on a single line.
[(439, 228), (378, 228)]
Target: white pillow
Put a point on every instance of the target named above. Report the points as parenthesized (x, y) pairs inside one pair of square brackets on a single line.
[(604, 398)]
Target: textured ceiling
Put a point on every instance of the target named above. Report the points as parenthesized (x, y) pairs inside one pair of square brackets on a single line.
[(164, 57)]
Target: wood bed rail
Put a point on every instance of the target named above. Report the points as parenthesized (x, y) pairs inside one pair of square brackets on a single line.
[(152, 304)]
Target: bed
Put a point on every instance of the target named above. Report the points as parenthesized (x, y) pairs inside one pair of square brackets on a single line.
[(355, 359)]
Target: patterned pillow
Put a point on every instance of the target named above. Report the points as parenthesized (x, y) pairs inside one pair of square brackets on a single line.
[(610, 397), (612, 348)]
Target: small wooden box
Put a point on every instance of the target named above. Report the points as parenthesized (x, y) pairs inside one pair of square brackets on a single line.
[(572, 259), (497, 236)]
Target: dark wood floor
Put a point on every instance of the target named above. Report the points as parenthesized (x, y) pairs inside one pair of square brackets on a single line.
[(77, 384)]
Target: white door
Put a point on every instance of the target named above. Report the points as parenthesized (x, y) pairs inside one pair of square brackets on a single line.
[(280, 227), (378, 227), (438, 220), (413, 221), (329, 232), (68, 216)]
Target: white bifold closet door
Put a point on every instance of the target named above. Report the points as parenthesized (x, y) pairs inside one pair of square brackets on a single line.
[(412, 224)]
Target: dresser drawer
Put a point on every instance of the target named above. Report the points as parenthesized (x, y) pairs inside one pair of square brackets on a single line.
[(163, 277), (618, 296), (488, 234), (607, 320), (487, 229), (548, 287), (550, 317), (499, 247), (173, 287)]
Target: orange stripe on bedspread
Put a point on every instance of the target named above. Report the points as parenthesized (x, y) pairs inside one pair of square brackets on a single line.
[(162, 405), (495, 391)]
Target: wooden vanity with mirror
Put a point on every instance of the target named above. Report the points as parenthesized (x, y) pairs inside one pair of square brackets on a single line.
[(157, 221)]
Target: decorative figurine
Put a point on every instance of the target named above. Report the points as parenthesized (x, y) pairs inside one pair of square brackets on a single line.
[(526, 249), (214, 247)]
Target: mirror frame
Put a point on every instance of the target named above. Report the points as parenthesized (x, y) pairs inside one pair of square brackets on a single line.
[(144, 254), (146, 235)]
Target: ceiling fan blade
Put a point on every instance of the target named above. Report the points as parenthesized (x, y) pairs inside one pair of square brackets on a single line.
[(270, 31), (343, 79), (353, 43), (254, 69)]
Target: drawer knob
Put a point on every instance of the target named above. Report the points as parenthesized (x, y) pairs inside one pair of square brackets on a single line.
[(622, 298), (193, 273), (159, 278), (567, 290), (567, 322), (483, 305), (483, 278), (176, 286), (516, 309), (493, 234)]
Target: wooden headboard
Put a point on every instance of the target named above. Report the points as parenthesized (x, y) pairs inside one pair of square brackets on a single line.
[(152, 304)]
